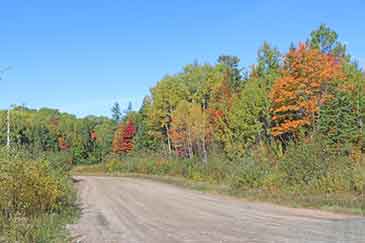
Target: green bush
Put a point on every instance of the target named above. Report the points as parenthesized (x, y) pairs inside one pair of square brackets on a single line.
[(60, 160), (217, 170), (114, 165), (36, 199), (303, 163), (312, 167), (32, 187), (250, 174), (342, 176)]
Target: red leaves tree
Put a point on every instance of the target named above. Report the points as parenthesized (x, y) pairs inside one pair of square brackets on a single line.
[(123, 137), (62, 145), (93, 135), (303, 87)]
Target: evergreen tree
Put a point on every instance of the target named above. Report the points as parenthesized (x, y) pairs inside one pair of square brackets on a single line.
[(326, 40), (116, 113), (338, 122), (235, 72)]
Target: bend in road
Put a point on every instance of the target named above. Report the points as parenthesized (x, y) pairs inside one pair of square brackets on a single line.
[(117, 209)]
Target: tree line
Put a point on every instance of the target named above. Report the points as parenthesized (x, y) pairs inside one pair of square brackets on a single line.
[(52, 131), (313, 91)]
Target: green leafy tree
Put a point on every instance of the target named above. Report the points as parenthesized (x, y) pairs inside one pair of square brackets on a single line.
[(244, 125), (165, 97), (264, 74), (104, 136), (146, 138)]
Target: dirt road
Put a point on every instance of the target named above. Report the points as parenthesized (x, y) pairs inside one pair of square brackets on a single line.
[(136, 210)]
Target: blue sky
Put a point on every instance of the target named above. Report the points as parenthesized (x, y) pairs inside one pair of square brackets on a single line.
[(82, 56)]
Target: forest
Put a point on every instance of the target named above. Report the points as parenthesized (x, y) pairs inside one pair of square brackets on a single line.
[(289, 127)]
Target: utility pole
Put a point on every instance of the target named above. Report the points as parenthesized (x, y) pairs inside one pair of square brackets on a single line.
[(8, 132), (8, 137)]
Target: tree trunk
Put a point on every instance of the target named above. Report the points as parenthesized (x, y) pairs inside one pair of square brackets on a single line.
[(205, 153), (168, 138), (190, 145), (204, 132)]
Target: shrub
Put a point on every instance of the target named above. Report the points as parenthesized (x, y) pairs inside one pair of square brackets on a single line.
[(32, 187), (313, 167), (304, 163), (249, 174), (36, 198), (60, 160), (114, 165), (342, 176)]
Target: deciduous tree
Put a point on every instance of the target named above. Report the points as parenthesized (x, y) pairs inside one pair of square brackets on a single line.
[(190, 130), (123, 137), (302, 89)]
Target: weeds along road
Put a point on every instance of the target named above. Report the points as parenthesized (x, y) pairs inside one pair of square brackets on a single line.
[(136, 210)]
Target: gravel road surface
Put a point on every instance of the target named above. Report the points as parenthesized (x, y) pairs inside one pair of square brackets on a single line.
[(118, 209)]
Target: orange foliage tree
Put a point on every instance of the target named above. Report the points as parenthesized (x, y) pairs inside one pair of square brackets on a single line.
[(123, 138), (302, 88)]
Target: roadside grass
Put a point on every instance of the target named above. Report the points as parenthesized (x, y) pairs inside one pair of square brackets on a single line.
[(344, 203), (92, 170), (45, 228)]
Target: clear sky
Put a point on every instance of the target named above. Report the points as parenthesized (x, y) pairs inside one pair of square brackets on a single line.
[(81, 56)]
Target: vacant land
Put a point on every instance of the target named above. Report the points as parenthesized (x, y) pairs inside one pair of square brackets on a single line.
[(138, 210)]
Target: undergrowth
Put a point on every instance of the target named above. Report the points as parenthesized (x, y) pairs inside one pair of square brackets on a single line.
[(37, 199), (306, 175)]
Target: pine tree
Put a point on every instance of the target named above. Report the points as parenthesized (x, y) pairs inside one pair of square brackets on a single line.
[(116, 113), (338, 121)]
